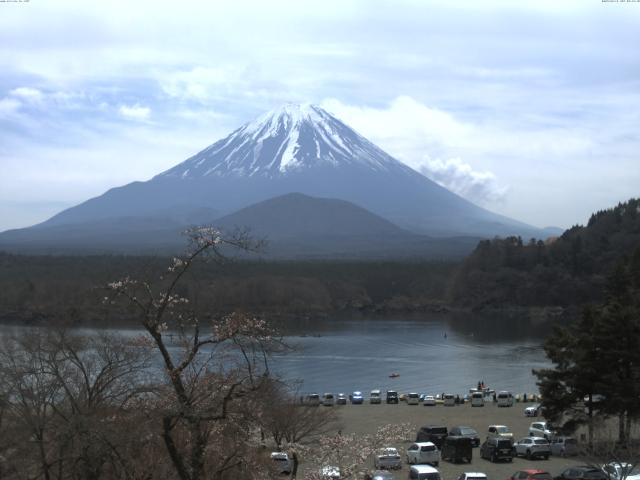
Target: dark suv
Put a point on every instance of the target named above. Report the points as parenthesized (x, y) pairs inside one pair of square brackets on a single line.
[(392, 396), (497, 448), (432, 433), (462, 431)]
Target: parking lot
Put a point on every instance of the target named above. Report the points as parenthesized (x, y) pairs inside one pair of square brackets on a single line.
[(366, 418)]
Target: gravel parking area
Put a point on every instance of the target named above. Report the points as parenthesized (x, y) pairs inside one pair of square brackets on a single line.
[(365, 419)]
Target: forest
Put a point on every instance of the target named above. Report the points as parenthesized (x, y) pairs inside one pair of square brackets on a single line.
[(501, 273)]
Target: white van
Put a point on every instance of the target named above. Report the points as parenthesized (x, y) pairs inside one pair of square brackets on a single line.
[(375, 396), (423, 452), (477, 399), (423, 472), (449, 400), (413, 398), (328, 400), (505, 399)]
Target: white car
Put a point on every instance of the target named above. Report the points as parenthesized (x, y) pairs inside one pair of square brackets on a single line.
[(499, 431), (540, 429), (387, 459), (423, 452), (413, 398), (532, 410), (330, 473), (429, 401), (533, 447), (472, 476), (281, 461), (375, 396), (423, 472), (622, 471), (328, 400)]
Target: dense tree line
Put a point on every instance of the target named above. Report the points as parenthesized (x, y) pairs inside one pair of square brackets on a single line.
[(34, 288), (596, 360), (569, 270)]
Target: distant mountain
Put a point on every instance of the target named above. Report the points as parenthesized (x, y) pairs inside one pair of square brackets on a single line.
[(293, 149), (294, 226)]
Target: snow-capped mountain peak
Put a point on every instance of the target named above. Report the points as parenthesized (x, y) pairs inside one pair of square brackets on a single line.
[(289, 139)]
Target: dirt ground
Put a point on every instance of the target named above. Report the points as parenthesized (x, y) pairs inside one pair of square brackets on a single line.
[(366, 418)]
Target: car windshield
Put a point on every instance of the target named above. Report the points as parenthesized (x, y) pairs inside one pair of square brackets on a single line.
[(468, 431), (502, 429), (439, 430), (542, 476), (429, 476), (541, 442), (427, 448), (504, 444)]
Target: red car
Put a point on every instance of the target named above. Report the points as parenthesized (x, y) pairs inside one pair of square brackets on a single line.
[(531, 474)]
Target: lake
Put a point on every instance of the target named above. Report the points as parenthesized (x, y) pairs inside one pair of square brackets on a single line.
[(432, 354)]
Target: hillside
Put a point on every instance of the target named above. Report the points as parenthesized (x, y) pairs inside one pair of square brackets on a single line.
[(570, 270)]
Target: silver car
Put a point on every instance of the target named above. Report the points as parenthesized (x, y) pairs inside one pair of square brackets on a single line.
[(564, 446), (532, 447), (388, 459)]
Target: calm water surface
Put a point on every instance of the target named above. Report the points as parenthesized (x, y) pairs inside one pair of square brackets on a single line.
[(432, 355)]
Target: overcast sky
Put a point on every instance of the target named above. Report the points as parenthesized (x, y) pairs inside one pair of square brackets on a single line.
[(531, 109)]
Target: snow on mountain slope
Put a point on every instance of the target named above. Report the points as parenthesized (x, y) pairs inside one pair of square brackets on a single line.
[(289, 139)]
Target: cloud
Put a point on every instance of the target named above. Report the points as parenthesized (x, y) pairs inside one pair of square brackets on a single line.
[(461, 178), (135, 112), (27, 94), (9, 106)]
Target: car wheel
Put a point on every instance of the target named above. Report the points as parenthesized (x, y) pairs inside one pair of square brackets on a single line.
[(546, 457), (528, 454), (494, 458), (511, 459)]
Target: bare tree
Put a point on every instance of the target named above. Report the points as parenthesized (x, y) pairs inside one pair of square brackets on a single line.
[(212, 367)]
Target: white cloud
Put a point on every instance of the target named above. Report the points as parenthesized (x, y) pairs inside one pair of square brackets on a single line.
[(134, 112), (9, 106), (461, 178), (28, 94)]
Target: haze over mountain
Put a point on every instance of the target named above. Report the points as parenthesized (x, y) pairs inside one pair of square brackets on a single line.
[(296, 148)]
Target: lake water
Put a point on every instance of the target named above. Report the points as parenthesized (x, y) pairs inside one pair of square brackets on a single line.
[(432, 355)]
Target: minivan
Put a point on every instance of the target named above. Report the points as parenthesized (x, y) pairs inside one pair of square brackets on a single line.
[(477, 399), (413, 399), (449, 400), (374, 396), (328, 400), (423, 472), (505, 399), (423, 452)]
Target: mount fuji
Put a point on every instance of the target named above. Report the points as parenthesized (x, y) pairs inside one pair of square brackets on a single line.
[(296, 148)]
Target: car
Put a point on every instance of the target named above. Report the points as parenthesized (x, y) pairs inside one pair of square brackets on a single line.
[(457, 449), (621, 471), (313, 399), (357, 398), (472, 476), (532, 410), (504, 399), (387, 458), (449, 400), (496, 448), (330, 472), (499, 431), (477, 399), (582, 472), (392, 396), (281, 461), (532, 447), (374, 396), (423, 472), (432, 433), (531, 474), (429, 401), (464, 431), (541, 429), (413, 398), (341, 399), (328, 400), (423, 452), (564, 446), (381, 475)]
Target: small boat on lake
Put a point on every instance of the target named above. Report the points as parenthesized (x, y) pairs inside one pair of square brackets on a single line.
[(394, 375)]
